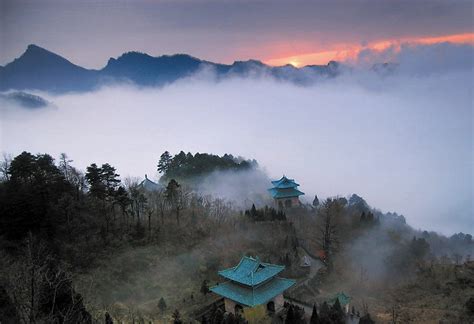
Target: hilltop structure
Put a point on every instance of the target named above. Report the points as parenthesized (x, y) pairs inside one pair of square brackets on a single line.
[(252, 283), (285, 193), (344, 300), (149, 185)]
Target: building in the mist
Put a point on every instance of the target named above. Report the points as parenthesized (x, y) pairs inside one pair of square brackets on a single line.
[(149, 185), (285, 193), (344, 300), (252, 283)]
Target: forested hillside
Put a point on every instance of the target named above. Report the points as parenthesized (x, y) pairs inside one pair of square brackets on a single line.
[(85, 246)]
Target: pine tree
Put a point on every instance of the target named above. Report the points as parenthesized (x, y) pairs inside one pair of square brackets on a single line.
[(108, 319), (314, 316), (315, 201), (336, 313), (162, 305), (164, 162), (205, 288), (290, 316), (173, 195), (93, 178), (109, 178), (253, 212)]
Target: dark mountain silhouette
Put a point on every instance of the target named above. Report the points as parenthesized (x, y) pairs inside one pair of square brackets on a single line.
[(144, 69), (40, 69)]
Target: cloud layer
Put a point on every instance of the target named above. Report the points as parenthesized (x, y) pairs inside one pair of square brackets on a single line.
[(403, 142)]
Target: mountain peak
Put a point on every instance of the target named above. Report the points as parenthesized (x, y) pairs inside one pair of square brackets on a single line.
[(35, 49), (32, 47), (37, 54), (38, 68)]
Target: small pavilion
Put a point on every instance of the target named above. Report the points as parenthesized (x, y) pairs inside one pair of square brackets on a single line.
[(344, 300), (285, 193), (252, 283)]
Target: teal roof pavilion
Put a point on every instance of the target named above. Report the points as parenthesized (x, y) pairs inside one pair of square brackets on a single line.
[(285, 188), (252, 282), (251, 272), (343, 299)]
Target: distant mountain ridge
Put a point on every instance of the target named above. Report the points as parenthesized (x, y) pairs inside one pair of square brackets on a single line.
[(40, 69)]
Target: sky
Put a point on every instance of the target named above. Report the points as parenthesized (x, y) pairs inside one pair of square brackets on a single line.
[(403, 142), (274, 31)]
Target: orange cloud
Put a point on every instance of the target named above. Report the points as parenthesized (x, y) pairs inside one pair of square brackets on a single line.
[(342, 52)]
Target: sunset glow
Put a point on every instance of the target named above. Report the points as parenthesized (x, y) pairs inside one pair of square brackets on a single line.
[(347, 52)]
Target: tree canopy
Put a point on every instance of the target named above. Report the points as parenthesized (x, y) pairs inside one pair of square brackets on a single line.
[(186, 165)]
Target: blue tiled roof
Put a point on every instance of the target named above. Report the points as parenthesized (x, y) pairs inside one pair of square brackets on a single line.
[(251, 271), (253, 296), (284, 182), (149, 185), (343, 299), (285, 193)]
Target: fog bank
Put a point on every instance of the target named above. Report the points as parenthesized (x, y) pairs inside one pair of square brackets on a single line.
[(403, 142)]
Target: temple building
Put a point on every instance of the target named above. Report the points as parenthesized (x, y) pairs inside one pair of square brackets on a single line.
[(285, 193), (252, 283), (344, 300), (149, 185)]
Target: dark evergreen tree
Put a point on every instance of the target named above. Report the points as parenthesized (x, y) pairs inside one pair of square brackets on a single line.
[(172, 194), (295, 315), (122, 199), (164, 162), (290, 315), (93, 177), (253, 211), (316, 201), (336, 314), (162, 305), (314, 316), (109, 178), (35, 185), (108, 318), (205, 287)]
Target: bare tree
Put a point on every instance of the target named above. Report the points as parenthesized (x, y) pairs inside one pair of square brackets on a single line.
[(39, 287), (158, 199), (220, 210), (5, 166), (177, 197), (327, 233), (65, 165)]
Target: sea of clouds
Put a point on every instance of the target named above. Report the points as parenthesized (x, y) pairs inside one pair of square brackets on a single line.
[(403, 141)]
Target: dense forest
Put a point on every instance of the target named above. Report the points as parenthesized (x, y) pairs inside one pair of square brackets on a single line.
[(89, 247), (187, 166)]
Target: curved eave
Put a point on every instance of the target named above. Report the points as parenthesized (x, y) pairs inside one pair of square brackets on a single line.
[(278, 194), (252, 297)]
